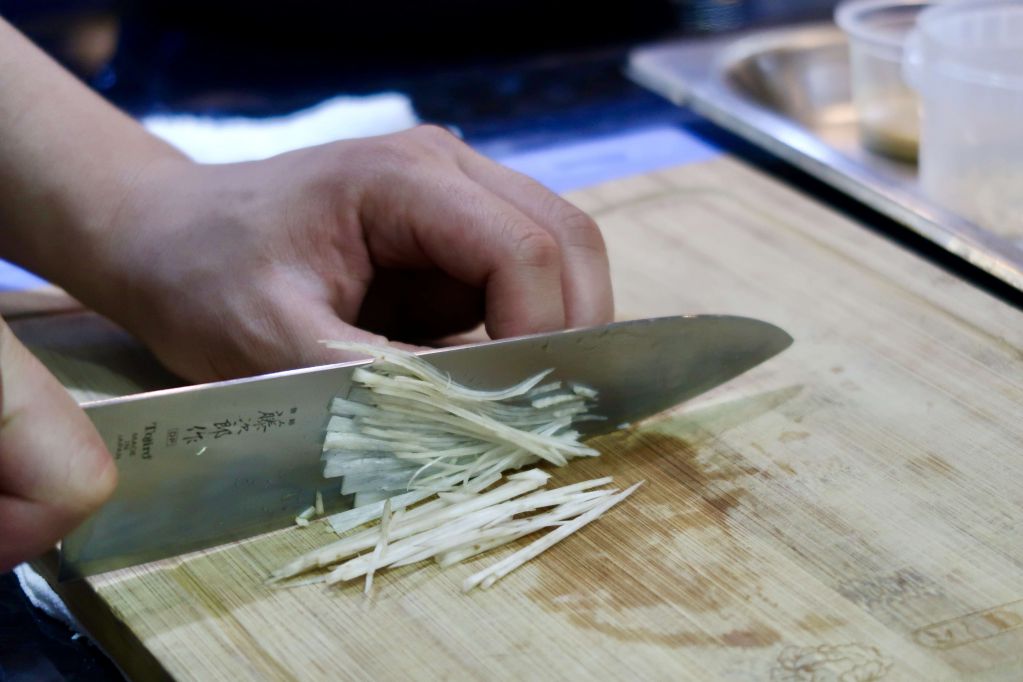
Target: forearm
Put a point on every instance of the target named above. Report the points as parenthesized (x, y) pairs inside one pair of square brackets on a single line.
[(70, 163)]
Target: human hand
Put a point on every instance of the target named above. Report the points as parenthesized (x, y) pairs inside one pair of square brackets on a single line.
[(236, 269), (241, 268), (54, 468)]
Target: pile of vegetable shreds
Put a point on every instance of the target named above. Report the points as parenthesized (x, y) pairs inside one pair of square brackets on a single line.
[(406, 432)]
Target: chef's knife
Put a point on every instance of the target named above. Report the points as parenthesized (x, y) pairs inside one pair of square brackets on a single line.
[(204, 465)]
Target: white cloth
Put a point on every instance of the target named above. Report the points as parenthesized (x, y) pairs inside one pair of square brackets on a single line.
[(43, 597), (231, 139)]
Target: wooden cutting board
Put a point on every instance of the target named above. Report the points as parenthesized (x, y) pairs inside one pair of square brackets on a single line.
[(850, 510)]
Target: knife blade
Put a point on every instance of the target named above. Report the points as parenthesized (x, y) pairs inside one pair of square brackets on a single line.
[(204, 465)]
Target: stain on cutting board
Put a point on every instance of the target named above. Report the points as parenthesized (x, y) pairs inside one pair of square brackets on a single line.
[(793, 436), (644, 553)]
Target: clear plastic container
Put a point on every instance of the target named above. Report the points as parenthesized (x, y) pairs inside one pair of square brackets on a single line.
[(887, 108), (966, 61)]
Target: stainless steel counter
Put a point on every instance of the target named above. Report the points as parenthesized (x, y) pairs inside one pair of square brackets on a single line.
[(788, 90)]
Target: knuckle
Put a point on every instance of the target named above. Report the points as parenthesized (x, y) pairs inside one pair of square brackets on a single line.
[(578, 229), (393, 151), (362, 160), (434, 135), (422, 148), (536, 248)]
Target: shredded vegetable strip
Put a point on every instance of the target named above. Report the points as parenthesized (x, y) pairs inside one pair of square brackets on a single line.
[(427, 372), (462, 524), (483, 525), (302, 519), (353, 518), (556, 516), (495, 572), (422, 518), (407, 436), (378, 551), (404, 424)]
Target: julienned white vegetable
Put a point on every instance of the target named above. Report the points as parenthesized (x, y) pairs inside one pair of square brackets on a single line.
[(378, 551), (417, 520), (464, 527), (461, 524), (303, 518), (406, 425), (345, 521), (406, 433), (495, 572), (416, 367)]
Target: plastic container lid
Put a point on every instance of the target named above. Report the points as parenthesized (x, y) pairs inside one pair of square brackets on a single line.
[(882, 23), (975, 41)]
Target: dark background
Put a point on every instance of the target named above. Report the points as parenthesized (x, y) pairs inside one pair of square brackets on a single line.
[(252, 56)]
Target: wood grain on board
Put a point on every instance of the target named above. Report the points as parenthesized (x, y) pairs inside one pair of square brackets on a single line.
[(852, 507)]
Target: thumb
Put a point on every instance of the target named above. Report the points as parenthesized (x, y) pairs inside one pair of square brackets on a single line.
[(54, 468)]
